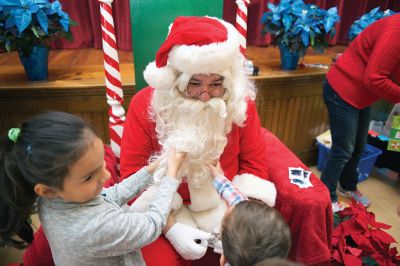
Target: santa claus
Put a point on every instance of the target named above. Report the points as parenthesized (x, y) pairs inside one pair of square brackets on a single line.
[(200, 102)]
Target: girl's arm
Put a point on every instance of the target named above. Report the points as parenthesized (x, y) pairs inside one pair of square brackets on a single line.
[(130, 187), (123, 232), (118, 232)]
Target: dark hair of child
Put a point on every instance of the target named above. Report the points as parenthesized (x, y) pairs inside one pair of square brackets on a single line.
[(253, 231), (42, 152), (277, 262)]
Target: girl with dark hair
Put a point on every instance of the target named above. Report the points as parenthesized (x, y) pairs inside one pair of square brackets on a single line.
[(55, 162)]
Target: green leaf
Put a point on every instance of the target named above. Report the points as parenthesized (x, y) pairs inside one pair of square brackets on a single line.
[(72, 23), (35, 31), (369, 261), (8, 46), (336, 220)]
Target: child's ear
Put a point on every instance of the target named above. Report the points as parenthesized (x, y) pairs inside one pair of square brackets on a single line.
[(45, 191)]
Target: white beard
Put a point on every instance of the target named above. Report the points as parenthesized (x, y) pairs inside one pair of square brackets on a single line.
[(199, 129)]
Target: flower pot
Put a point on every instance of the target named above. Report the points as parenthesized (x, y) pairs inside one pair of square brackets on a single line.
[(36, 64), (289, 59)]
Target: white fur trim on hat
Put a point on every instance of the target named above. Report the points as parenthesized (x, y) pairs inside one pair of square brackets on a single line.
[(255, 187), (161, 78), (211, 58), (216, 57)]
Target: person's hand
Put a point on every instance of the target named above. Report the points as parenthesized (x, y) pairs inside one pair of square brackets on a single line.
[(189, 242), (215, 168), (153, 166), (175, 160), (216, 242)]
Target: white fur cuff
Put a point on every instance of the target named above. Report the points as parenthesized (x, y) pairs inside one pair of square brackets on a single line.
[(255, 187)]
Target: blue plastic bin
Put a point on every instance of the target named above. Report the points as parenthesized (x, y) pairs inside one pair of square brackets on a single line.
[(365, 165)]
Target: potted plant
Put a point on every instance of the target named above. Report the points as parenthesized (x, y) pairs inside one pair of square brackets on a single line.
[(29, 26), (296, 26), (360, 24)]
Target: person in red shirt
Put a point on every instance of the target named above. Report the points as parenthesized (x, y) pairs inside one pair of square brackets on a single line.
[(367, 71), (201, 102)]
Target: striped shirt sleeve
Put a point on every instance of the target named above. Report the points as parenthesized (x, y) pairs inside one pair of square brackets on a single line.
[(227, 191)]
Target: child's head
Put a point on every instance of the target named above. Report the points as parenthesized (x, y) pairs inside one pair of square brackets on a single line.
[(277, 262), (54, 155), (253, 231)]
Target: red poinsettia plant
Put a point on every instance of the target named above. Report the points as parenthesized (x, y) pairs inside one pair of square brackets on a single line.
[(358, 239)]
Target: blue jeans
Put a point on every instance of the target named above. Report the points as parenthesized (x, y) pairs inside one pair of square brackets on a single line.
[(349, 130)]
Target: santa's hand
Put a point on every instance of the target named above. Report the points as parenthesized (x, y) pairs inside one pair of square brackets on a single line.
[(216, 243), (189, 242)]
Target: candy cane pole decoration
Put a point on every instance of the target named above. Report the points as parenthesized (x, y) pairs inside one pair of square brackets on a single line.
[(241, 22), (115, 96)]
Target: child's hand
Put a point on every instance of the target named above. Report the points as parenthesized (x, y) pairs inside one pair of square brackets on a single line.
[(153, 166), (175, 160), (215, 168)]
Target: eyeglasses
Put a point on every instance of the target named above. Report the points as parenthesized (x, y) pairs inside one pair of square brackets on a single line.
[(195, 89)]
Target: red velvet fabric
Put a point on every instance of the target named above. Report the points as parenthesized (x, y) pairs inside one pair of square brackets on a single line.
[(38, 253), (309, 215), (88, 31)]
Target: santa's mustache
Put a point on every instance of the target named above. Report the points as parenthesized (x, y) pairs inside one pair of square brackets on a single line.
[(193, 107)]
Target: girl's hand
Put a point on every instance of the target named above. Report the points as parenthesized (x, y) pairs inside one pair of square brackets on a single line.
[(215, 168), (153, 166), (175, 160)]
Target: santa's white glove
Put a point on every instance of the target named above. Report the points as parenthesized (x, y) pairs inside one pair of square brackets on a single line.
[(218, 246), (189, 242)]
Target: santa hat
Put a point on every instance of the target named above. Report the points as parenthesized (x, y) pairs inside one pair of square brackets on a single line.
[(194, 45)]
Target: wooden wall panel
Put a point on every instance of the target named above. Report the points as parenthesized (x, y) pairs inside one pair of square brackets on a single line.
[(292, 108), (90, 103)]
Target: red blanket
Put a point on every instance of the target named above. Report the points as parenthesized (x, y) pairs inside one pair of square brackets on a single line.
[(309, 213)]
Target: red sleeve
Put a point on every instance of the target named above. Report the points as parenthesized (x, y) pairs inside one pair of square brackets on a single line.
[(384, 62), (138, 139), (252, 146)]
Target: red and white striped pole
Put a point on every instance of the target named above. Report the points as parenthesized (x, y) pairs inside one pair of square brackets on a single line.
[(115, 95), (241, 22), (241, 26)]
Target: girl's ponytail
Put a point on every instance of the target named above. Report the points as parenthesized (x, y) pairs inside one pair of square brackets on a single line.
[(17, 199)]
